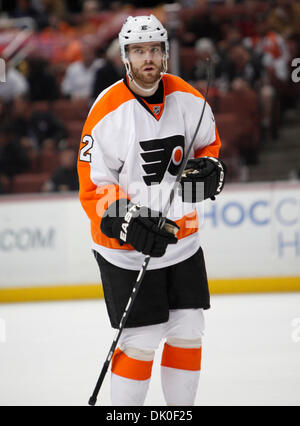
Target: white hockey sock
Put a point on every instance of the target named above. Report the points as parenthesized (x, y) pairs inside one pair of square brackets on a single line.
[(179, 386), (180, 372), (128, 392)]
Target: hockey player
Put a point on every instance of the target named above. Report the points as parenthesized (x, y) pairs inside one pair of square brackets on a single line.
[(133, 143)]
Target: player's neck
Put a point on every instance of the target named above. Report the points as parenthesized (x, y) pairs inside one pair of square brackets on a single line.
[(143, 91)]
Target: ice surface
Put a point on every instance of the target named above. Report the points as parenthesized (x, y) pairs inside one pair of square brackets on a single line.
[(52, 353)]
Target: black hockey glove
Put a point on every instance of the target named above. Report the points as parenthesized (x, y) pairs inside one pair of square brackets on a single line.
[(138, 226), (210, 172)]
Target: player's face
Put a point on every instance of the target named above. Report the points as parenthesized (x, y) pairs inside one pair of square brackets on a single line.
[(146, 62)]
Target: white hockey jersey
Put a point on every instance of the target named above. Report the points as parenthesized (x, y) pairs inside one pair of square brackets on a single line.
[(132, 149)]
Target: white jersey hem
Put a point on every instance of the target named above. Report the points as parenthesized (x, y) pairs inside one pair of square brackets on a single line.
[(133, 260)]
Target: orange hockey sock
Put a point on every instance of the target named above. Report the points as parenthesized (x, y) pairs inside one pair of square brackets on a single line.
[(182, 358), (131, 368)]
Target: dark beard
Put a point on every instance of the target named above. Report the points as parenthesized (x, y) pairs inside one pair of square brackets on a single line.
[(150, 80)]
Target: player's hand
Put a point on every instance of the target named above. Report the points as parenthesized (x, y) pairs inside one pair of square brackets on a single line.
[(138, 226), (210, 172)]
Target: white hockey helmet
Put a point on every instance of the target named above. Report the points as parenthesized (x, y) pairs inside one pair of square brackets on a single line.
[(142, 29)]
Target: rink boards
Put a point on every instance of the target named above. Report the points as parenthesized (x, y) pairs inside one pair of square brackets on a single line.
[(250, 237)]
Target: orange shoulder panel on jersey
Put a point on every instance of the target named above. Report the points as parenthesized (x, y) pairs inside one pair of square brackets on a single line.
[(95, 200), (176, 84)]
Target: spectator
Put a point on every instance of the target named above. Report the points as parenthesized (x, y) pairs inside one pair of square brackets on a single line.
[(42, 83), (33, 9), (272, 49), (242, 66), (206, 49), (53, 8), (47, 128), (40, 125), (65, 178), (276, 84), (20, 120), (112, 71), (245, 71), (232, 36), (284, 19), (203, 24), (14, 86), (90, 8), (79, 78), (13, 153), (24, 9)]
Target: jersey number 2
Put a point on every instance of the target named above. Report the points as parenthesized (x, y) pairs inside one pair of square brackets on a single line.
[(84, 154)]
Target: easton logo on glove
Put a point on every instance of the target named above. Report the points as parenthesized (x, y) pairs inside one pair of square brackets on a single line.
[(203, 178), (127, 219), (138, 226)]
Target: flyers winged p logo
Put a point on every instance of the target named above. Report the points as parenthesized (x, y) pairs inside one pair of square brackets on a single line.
[(161, 156)]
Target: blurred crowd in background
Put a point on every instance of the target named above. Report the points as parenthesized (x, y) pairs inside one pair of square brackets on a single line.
[(60, 55)]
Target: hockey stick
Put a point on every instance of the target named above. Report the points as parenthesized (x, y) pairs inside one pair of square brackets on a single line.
[(93, 398)]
